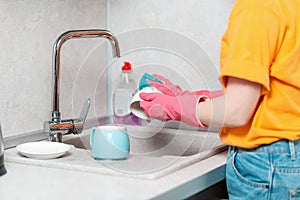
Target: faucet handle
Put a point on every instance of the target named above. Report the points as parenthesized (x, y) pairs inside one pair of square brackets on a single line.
[(85, 110), (75, 126), (65, 126)]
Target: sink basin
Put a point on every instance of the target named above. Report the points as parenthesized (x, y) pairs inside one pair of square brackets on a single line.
[(154, 152), (157, 142)]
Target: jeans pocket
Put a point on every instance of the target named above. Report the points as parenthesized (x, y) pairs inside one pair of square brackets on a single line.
[(244, 178), (252, 169)]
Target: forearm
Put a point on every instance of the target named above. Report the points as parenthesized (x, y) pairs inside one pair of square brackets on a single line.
[(216, 113), (234, 108)]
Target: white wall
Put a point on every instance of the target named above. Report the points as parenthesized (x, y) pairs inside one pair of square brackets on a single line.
[(28, 30), (179, 39)]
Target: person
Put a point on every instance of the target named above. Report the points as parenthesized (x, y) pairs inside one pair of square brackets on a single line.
[(259, 113)]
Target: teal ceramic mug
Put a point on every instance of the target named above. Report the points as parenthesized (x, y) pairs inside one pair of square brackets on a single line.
[(109, 142)]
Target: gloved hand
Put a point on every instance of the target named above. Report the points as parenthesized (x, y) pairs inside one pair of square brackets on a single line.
[(167, 87), (181, 108)]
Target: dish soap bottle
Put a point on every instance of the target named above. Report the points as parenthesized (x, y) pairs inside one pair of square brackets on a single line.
[(122, 96)]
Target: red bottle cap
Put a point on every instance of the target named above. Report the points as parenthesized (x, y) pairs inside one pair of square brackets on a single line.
[(126, 66)]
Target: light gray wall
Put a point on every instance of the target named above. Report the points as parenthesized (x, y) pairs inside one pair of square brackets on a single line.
[(28, 30), (179, 39)]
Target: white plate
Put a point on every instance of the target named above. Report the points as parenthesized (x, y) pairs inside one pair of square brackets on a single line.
[(43, 150)]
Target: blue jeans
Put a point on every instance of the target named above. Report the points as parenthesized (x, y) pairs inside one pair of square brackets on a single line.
[(268, 172)]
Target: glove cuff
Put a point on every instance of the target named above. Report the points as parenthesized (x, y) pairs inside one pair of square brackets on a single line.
[(200, 99), (190, 109)]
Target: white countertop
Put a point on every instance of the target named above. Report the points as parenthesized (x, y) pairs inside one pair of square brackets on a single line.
[(38, 183)]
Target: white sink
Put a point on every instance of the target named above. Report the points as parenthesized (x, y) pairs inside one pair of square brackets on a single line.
[(154, 152), (151, 141)]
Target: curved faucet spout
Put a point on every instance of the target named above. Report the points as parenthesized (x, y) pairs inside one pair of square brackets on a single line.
[(94, 33), (56, 126)]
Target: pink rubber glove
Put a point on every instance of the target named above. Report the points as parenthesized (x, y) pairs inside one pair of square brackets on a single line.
[(167, 87), (181, 108)]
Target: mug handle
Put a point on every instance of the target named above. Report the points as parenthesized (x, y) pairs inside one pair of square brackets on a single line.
[(92, 136)]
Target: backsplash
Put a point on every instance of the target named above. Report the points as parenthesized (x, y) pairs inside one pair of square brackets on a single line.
[(28, 31), (179, 39)]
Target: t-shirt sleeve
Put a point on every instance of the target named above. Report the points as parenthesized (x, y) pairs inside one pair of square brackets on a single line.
[(249, 45)]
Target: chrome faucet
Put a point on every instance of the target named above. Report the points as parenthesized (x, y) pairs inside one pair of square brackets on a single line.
[(57, 127)]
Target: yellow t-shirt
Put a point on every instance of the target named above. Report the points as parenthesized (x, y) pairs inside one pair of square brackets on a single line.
[(262, 44)]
